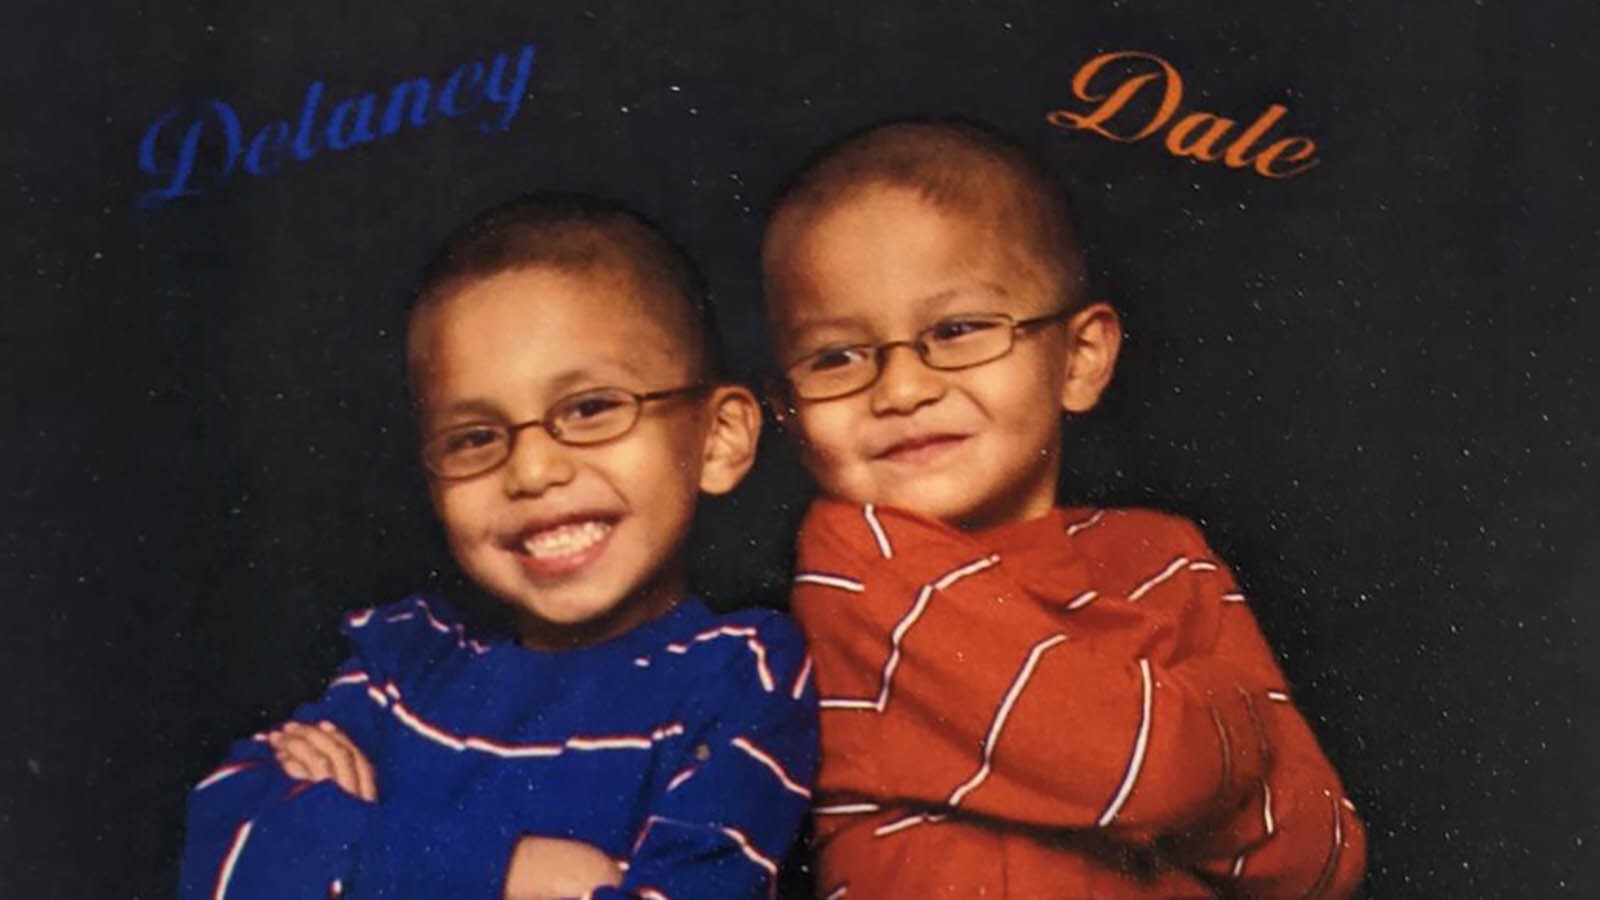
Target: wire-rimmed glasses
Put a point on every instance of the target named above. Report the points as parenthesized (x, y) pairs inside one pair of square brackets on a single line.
[(586, 417), (957, 342)]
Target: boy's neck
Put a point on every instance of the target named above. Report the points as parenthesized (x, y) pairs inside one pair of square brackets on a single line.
[(1022, 517), (1040, 504)]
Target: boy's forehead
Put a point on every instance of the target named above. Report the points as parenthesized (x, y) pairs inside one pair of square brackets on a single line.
[(587, 302), (540, 325), (887, 252), (827, 312)]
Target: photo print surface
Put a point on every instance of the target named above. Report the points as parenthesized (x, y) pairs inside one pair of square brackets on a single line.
[(1351, 245)]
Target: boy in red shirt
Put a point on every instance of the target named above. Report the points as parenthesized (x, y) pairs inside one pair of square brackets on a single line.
[(1019, 700)]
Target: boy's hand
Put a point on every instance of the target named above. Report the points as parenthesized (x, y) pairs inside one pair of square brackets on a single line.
[(322, 752), (550, 868)]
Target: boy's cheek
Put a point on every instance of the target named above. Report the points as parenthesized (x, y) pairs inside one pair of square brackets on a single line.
[(436, 500), (458, 512), (838, 475), (443, 500), (824, 429)]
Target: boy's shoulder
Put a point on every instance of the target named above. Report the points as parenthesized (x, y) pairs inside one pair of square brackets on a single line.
[(1124, 529), (412, 631), (1132, 551), (731, 633), (712, 654)]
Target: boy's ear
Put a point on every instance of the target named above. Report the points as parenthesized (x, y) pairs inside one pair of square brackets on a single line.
[(730, 448), (1094, 337)]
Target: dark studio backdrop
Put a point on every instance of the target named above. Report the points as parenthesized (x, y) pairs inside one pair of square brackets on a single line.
[(1369, 380)]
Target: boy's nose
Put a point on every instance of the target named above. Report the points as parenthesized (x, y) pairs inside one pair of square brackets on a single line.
[(905, 382), (537, 463)]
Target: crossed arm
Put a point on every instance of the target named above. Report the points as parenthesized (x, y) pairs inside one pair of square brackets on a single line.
[(302, 811), (1155, 717), (540, 868)]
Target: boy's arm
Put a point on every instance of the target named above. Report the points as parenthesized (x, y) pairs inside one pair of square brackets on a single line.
[(969, 696), (721, 824), (1298, 836), (255, 832), (545, 868), (1296, 833), (1250, 800)]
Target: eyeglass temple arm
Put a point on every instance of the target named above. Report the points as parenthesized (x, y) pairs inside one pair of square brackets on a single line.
[(1056, 316)]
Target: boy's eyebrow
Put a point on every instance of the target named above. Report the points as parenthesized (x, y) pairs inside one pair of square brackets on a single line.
[(993, 287), (940, 298), (559, 386), (839, 322), (572, 378), (931, 301), (463, 407)]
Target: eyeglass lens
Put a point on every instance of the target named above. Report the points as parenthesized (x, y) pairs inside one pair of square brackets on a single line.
[(954, 343), (587, 418)]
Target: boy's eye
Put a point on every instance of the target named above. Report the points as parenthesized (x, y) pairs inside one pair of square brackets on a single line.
[(469, 439), (956, 329), (837, 358), (596, 411), (589, 407)]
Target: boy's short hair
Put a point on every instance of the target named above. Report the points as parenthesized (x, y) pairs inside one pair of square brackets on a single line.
[(579, 232), (952, 163)]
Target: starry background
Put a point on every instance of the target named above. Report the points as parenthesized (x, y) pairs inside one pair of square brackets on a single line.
[(1367, 382)]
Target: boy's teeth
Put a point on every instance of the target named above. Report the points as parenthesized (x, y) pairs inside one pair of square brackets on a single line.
[(565, 540)]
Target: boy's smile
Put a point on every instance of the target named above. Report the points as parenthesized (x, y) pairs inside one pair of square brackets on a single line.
[(563, 547), (583, 542), (920, 449), (975, 446)]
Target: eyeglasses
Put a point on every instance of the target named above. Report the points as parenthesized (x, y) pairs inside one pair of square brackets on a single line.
[(587, 417), (959, 342)]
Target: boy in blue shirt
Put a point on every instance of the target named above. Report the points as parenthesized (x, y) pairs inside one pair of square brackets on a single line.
[(625, 741)]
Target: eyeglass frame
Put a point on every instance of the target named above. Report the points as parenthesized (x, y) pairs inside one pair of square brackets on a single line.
[(544, 422), (919, 345)]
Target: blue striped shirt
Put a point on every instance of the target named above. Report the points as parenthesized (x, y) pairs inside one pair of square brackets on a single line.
[(684, 749)]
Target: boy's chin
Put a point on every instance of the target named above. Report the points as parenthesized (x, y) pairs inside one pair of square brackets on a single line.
[(950, 503), (959, 509), (970, 497)]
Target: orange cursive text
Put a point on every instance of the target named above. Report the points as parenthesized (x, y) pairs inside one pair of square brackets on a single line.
[(1201, 136)]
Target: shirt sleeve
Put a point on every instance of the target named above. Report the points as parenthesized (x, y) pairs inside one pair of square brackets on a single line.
[(254, 832), (725, 816), (1296, 834), (1158, 714), (963, 693)]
